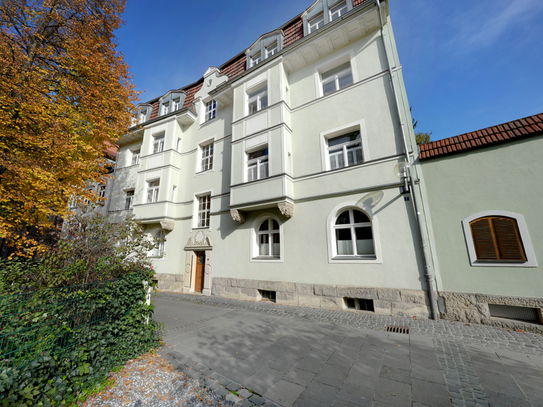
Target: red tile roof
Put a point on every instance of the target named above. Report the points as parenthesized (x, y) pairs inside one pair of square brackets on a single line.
[(294, 31), (510, 131)]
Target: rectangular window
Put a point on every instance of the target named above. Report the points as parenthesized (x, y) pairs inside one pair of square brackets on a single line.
[(129, 200), (271, 49), (141, 117), (256, 59), (211, 110), (207, 157), (101, 191), (152, 191), (257, 164), (135, 157), (158, 144), (165, 108), (176, 104), (337, 78), (204, 210), (338, 10), (258, 99), (316, 23), (345, 150)]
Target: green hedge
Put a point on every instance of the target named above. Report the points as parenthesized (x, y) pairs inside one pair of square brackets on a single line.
[(127, 332)]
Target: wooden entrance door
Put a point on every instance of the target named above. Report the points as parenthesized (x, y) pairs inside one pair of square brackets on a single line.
[(200, 266)]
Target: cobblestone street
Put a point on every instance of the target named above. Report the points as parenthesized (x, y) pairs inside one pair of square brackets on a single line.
[(257, 353)]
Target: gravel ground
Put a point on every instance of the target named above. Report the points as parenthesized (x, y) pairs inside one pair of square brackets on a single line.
[(150, 381)]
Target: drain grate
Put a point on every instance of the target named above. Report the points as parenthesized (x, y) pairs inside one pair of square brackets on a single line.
[(397, 329)]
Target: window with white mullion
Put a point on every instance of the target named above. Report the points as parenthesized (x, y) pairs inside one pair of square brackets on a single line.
[(257, 165), (211, 110), (338, 10), (316, 23), (152, 191), (269, 240), (207, 157), (129, 200), (176, 104), (334, 79), (135, 157), (165, 108), (158, 144), (256, 59), (353, 234), (204, 210), (271, 49), (258, 99), (345, 150)]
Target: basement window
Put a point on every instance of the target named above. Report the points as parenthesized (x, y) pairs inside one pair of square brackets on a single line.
[(360, 304), (268, 295), (524, 314)]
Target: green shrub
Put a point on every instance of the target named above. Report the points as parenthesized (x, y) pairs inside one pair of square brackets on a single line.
[(127, 332)]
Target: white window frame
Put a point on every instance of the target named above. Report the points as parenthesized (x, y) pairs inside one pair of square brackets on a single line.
[(344, 150), (200, 218), (258, 163), (255, 241), (531, 260), (210, 110), (101, 190), (335, 79), (206, 156), (315, 23), (135, 156), (159, 252), (129, 199), (333, 63), (256, 58), (341, 10), (331, 235), (152, 191), (259, 96), (339, 131), (176, 104), (272, 49), (158, 143)]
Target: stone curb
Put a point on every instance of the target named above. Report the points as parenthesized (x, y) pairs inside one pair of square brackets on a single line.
[(220, 385)]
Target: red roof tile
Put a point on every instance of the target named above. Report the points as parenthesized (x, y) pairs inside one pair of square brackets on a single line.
[(526, 127)]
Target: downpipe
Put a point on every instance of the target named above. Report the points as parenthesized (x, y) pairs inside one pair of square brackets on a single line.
[(429, 277)]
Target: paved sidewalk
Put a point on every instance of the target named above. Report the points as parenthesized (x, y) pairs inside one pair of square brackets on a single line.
[(295, 356)]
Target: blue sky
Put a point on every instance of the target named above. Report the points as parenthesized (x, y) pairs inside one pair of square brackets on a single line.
[(466, 64)]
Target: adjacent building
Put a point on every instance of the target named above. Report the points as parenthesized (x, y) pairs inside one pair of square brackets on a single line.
[(483, 192)]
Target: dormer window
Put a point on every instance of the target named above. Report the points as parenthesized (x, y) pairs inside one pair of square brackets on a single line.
[(141, 114), (171, 102), (338, 10), (272, 49), (316, 23), (265, 47), (324, 12), (165, 108)]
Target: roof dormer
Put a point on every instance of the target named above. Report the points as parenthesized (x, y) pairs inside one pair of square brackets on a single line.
[(171, 101), (265, 47), (141, 113), (323, 12)]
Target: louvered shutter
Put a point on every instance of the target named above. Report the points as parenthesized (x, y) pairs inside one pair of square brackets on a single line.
[(508, 237), (483, 239)]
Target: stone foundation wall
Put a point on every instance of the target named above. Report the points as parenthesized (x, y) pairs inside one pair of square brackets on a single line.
[(473, 308), (385, 300), (170, 282)]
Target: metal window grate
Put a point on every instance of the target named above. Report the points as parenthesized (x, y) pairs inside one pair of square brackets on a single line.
[(397, 329)]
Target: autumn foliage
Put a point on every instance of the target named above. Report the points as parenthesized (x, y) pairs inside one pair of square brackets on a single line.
[(65, 98)]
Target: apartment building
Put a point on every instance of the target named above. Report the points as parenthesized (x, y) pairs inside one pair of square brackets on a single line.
[(278, 174)]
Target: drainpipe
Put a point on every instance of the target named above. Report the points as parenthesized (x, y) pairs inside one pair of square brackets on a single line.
[(427, 274)]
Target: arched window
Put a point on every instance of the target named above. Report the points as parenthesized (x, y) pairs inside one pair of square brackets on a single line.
[(498, 238), (158, 250), (353, 234), (269, 239)]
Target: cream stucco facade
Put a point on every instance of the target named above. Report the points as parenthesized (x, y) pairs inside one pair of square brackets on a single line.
[(278, 182)]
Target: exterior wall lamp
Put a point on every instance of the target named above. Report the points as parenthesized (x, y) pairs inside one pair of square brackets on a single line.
[(402, 171)]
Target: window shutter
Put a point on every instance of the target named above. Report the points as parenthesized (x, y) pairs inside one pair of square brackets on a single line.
[(483, 239), (508, 237)]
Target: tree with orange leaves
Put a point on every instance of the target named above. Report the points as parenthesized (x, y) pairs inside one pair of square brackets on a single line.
[(65, 98)]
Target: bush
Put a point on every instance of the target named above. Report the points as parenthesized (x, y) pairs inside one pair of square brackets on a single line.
[(127, 332)]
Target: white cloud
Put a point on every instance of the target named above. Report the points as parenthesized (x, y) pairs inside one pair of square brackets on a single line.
[(480, 26)]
